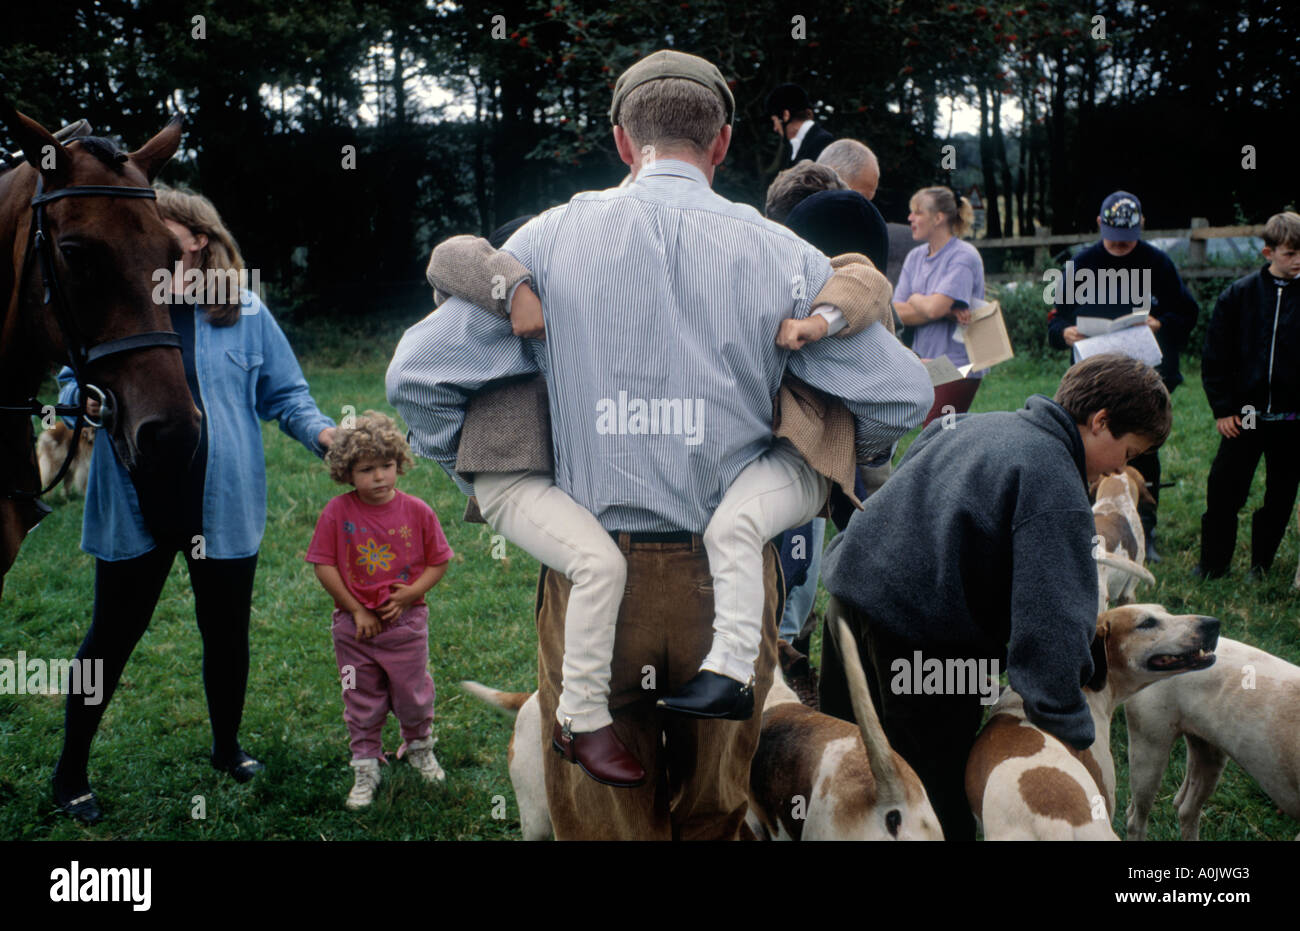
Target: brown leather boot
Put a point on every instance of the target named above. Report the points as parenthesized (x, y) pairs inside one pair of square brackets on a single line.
[(600, 754)]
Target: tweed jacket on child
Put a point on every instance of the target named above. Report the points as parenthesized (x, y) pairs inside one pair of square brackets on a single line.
[(507, 426)]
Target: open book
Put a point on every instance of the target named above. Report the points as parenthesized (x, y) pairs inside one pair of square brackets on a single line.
[(1136, 342), (1100, 326)]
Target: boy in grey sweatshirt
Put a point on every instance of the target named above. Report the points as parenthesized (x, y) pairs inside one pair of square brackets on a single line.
[(980, 548)]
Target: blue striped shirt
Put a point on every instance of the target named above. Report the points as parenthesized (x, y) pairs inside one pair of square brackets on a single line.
[(662, 302)]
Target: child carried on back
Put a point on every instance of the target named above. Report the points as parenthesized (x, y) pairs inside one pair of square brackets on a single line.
[(776, 491)]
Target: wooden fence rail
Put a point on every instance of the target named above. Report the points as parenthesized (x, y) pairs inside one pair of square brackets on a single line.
[(1198, 233)]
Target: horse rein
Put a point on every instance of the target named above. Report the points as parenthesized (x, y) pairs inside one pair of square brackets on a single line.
[(79, 355)]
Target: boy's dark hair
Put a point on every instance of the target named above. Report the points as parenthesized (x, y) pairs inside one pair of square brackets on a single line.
[(1130, 391), (1282, 229)]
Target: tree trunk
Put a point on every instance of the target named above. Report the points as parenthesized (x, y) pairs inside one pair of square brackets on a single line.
[(1000, 149), (988, 167), (398, 82), (480, 168), (1023, 183), (1059, 215)]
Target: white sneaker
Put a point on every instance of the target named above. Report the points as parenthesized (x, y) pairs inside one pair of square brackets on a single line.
[(367, 781), (420, 753)]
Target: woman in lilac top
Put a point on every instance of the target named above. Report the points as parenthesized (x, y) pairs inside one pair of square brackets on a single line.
[(939, 282)]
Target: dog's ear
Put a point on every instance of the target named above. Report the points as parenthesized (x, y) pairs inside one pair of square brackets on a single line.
[(1144, 493), (1099, 664)]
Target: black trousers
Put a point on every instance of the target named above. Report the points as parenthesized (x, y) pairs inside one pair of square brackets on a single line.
[(126, 593), (1148, 464), (934, 733), (1231, 475)]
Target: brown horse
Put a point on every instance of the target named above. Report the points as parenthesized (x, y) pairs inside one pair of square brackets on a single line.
[(103, 251)]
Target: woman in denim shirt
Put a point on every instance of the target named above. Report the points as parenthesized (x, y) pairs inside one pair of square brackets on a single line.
[(240, 368)]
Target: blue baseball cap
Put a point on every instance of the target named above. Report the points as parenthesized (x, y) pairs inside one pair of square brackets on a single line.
[(1121, 217)]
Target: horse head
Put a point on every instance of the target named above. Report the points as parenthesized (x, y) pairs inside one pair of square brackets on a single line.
[(104, 252)]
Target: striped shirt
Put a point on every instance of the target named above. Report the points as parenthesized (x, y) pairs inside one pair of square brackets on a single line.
[(662, 303)]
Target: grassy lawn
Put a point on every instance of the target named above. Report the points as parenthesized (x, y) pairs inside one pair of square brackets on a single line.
[(150, 759)]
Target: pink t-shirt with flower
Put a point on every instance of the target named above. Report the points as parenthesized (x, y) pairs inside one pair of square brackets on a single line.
[(375, 546)]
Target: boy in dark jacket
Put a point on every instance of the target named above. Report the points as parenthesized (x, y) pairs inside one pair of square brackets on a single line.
[(979, 548), (1251, 371)]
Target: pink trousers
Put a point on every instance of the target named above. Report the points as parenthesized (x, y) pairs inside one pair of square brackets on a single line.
[(388, 672)]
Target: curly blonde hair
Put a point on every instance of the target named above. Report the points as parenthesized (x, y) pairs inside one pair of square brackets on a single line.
[(372, 436)]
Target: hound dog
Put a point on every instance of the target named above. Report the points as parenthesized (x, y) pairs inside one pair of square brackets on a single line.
[(813, 777), (523, 756), (1120, 538), (1025, 784), (52, 448), (1246, 707)]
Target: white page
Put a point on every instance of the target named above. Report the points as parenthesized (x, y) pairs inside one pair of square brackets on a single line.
[(1134, 342), (1097, 326)]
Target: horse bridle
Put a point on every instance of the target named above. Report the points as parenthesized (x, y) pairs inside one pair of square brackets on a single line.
[(79, 355)]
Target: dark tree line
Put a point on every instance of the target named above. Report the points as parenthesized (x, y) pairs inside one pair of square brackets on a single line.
[(464, 116)]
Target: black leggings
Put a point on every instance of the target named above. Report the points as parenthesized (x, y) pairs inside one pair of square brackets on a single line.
[(126, 593)]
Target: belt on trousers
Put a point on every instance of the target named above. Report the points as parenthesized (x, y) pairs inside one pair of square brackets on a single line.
[(674, 536)]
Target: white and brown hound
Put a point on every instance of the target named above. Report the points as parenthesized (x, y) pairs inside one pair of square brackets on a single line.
[(1246, 706), (1025, 784), (1122, 542), (814, 777)]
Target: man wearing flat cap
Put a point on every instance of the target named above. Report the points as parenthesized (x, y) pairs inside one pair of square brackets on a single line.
[(656, 291)]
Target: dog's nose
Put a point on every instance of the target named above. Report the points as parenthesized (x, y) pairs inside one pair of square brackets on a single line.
[(1209, 628)]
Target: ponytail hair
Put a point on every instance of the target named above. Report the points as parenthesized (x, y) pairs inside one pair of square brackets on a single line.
[(947, 201)]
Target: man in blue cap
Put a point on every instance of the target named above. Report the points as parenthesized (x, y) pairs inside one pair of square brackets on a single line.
[(1156, 286)]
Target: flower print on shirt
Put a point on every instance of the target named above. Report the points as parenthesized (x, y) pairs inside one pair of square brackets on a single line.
[(374, 556)]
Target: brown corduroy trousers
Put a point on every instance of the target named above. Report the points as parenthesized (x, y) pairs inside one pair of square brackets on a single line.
[(697, 781)]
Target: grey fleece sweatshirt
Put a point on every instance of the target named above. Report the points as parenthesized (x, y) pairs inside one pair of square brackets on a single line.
[(982, 540)]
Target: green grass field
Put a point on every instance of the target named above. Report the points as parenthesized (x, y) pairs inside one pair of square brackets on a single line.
[(150, 759)]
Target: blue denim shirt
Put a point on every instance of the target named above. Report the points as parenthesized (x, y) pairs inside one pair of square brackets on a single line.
[(245, 371)]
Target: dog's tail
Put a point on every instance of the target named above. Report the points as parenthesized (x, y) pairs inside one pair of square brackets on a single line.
[(1124, 564), (891, 794), (509, 702)]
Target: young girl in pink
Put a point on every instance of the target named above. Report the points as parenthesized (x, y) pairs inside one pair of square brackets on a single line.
[(377, 551)]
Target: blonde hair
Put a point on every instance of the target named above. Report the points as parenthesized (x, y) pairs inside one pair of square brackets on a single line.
[(199, 215), (1282, 229), (960, 214), (371, 436)]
